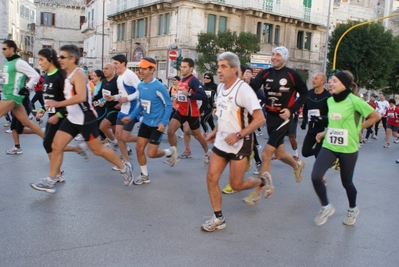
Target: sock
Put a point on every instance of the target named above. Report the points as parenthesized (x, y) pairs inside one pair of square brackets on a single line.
[(326, 207), (168, 152), (144, 170), (124, 169), (352, 209), (262, 182), (218, 214), (296, 153), (17, 145)]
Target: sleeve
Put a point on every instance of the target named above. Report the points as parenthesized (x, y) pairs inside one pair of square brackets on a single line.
[(136, 111), (195, 85), (23, 67), (302, 89), (362, 107), (257, 82), (134, 81), (163, 94), (247, 98)]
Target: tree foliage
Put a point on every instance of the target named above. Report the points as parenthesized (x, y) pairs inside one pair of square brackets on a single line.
[(211, 45), (370, 52)]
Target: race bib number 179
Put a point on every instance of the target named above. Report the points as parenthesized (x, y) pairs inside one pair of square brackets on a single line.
[(338, 137)]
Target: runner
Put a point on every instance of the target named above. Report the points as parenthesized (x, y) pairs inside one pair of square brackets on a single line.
[(156, 106), (81, 118), (345, 112)]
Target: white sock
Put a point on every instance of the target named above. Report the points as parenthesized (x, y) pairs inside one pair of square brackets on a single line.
[(296, 153), (168, 152), (144, 170), (115, 141), (326, 207)]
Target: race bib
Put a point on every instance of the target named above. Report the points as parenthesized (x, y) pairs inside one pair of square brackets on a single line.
[(313, 112), (50, 110), (391, 115), (337, 137), (106, 92), (146, 104), (208, 93), (223, 111), (181, 97)]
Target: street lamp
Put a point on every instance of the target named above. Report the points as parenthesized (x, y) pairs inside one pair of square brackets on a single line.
[(327, 36)]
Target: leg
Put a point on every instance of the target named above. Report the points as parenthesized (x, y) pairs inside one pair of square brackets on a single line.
[(320, 167), (61, 140), (174, 124), (140, 146), (197, 134), (216, 167), (308, 142), (20, 113), (348, 163)]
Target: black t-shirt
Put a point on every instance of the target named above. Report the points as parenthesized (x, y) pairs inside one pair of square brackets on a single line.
[(316, 105), (53, 88), (113, 88)]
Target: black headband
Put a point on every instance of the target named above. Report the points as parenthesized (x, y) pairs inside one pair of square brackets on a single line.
[(343, 78)]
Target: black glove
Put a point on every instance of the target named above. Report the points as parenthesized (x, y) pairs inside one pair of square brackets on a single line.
[(303, 125), (24, 91), (316, 118)]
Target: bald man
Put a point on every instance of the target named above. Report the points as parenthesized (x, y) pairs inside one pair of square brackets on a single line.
[(110, 87), (315, 115)]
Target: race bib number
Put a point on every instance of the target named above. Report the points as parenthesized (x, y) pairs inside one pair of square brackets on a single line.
[(208, 93), (181, 97), (223, 111), (391, 115), (5, 78), (337, 137), (146, 104), (313, 112), (50, 110), (106, 92)]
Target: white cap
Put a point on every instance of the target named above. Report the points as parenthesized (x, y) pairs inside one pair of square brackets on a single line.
[(282, 51)]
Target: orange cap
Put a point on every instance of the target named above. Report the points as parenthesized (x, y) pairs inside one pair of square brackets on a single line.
[(146, 64)]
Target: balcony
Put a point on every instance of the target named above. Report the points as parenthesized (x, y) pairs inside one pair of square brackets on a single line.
[(87, 26), (293, 10)]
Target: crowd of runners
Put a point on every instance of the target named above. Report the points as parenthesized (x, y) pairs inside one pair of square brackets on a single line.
[(102, 107)]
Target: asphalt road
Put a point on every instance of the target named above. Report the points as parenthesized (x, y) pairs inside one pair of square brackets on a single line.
[(94, 220)]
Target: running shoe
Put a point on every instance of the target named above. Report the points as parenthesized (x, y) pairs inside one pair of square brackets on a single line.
[(79, 137), (387, 146), (396, 141), (397, 161), (323, 215), (259, 133), (115, 168), (299, 172), (252, 199), (335, 165), (46, 185), (142, 179), (207, 156), (129, 152), (128, 174), (228, 190), (84, 151), (60, 177), (365, 141), (258, 147), (14, 151), (7, 124), (173, 157), (374, 137), (214, 224), (351, 216), (268, 189), (256, 172), (8, 131), (186, 155)]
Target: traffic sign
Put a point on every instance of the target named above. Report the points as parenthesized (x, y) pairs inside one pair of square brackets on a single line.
[(172, 54)]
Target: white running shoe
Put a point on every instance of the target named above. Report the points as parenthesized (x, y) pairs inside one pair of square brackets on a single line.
[(14, 151), (323, 215), (84, 151), (79, 137), (351, 216)]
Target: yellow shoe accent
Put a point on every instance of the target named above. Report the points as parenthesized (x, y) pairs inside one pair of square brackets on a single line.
[(228, 190)]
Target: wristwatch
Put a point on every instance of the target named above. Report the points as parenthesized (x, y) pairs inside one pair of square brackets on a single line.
[(239, 135)]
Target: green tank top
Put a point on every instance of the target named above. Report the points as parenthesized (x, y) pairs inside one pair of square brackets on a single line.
[(13, 80)]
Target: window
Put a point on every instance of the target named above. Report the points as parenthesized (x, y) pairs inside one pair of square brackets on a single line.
[(259, 30), (47, 18), (277, 34), (47, 46), (22, 10), (167, 23), (82, 20), (299, 41), (32, 15), (121, 32), (28, 40), (141, 28), (27, 13), (133, 29), (308, 38), (222, 24), (267, 33), (160, 25), (211, 28)]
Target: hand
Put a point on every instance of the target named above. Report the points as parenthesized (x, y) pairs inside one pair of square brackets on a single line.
[(285, 114), (210, 138), (123, 100), (126, 120), (303, 126), (320, 136), (161, 128), (51, 104), (109, 97), (231, 139), (101, 104), (39, 114), (53, 119)]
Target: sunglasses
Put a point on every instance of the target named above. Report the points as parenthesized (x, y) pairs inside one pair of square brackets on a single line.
[(206, 78), (63, 57)]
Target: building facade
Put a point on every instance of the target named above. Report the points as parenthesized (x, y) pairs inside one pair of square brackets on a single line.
[(96, 35), (58, 22)]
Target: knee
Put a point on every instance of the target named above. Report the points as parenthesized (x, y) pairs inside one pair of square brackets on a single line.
[(236, 186), (98, 150), (212, 179)]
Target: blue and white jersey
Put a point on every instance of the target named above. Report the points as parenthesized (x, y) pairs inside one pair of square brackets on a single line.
[(154, 103), (127, 87)]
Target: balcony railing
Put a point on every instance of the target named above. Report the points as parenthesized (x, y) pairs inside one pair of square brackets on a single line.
[(290, 10), (86, 26)]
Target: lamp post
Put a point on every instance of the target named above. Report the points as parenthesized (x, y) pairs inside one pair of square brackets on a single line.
[(327, 36), (102, 46)]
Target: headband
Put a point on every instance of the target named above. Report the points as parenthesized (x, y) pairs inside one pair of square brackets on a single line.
[(344, 79)]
